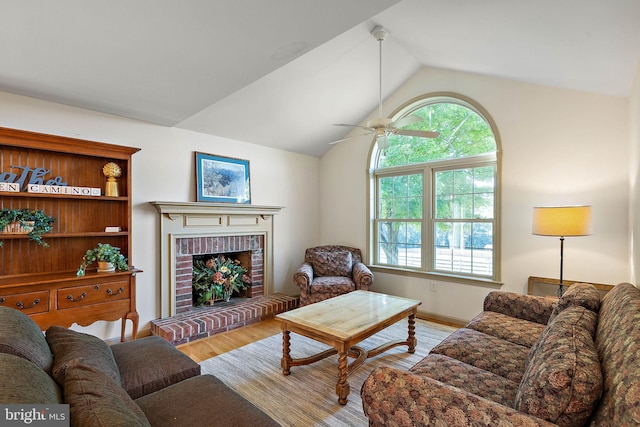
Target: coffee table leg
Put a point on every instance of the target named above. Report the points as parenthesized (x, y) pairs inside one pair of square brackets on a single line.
[(285, 362), (412, 341), (342, 388)]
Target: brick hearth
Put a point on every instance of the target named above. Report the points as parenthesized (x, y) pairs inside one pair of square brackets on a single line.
[(202, 322)]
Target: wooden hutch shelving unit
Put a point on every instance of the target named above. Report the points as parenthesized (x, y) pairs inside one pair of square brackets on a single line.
[(41, 281)]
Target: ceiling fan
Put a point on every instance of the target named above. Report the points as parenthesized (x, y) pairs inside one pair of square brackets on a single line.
[(381, 126)]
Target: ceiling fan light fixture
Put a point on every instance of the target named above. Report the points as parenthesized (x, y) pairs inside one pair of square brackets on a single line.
[(383, 142)]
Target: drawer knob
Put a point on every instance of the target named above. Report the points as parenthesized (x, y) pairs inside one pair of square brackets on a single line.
[(118, 292), (2, 300), (21, 305), (80, 298)]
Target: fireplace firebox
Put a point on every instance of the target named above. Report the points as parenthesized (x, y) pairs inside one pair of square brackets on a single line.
[(251, 246)]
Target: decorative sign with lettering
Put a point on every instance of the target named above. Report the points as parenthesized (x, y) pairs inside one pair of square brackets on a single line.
[(59, 189), (33, 181), (10, 186)]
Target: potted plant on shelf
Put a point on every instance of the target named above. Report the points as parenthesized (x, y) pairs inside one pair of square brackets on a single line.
[(33, 223), (108, 257), (217, 278)]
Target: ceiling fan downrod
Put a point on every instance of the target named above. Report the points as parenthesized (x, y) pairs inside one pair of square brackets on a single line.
[(380, 34)]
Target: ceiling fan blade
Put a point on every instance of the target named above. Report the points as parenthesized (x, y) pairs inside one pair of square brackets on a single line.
[(406, 121), (418, 133), (349, 137), (352, 126)]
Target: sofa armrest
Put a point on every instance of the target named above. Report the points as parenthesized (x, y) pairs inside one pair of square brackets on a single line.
[(362, 276), (527, 307), (304, 276), (394, 397)]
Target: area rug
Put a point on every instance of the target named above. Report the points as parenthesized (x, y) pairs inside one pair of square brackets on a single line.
[(307, 396)]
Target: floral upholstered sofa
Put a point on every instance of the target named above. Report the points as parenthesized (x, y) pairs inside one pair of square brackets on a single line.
[(524, 361)]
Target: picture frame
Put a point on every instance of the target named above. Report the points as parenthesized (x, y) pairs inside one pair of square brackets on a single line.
[(222, 179)]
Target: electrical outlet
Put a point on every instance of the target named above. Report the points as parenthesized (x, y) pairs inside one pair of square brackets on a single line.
[(433, 287)]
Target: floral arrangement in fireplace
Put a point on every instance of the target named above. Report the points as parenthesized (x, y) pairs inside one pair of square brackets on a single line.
[(217, 278)]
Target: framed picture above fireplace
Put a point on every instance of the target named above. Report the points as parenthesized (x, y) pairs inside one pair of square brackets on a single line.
[(222, 179)]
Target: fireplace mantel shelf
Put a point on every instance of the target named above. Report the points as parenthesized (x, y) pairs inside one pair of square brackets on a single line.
[(214, 208)]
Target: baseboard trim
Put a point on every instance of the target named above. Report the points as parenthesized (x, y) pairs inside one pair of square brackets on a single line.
[(141, 334), (437, 318)]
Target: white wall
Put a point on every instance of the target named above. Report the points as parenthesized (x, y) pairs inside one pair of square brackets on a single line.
[(559, 147), (634, 212), (164, 171)]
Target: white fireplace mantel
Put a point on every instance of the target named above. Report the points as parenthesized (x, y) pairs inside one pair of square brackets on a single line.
[(180, 208), (198, 219)]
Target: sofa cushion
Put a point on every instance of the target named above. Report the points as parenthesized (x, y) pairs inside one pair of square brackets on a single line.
[(486, 352), (151, 363), (579, 294), (332, 263), (563, 379), (21, 336), (518, 331), (215, 404), (96, 400), (332, 285), (466, 377), (586, 327), (619, 349), (25, 382), (68, 345)]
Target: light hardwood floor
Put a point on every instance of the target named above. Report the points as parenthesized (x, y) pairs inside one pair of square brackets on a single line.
[(215, 345)]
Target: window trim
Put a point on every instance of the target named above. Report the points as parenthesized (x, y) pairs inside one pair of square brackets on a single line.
[(371, 190)]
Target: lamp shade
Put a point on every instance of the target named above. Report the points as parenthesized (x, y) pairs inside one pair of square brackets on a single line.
[(563, 221)]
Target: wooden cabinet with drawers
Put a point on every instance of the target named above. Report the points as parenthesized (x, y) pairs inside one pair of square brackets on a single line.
[(41, 281), (28, 302)]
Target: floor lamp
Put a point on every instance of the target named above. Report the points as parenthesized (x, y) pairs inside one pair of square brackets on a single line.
[(562, 221)]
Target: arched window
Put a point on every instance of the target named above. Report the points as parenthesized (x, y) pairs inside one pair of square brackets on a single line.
[(435, 204)]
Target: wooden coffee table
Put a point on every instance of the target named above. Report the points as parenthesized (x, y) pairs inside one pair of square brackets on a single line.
[(342, 322)]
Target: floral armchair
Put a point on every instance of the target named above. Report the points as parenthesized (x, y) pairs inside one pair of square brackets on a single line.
[(329, 271)]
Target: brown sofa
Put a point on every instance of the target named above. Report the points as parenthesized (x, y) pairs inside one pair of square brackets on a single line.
[(135, 383), (524, 361)]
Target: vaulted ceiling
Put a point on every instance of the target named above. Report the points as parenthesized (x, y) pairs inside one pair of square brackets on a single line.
[(280, 72)]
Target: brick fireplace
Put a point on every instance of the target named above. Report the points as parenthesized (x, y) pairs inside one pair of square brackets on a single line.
[(188, 229)]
